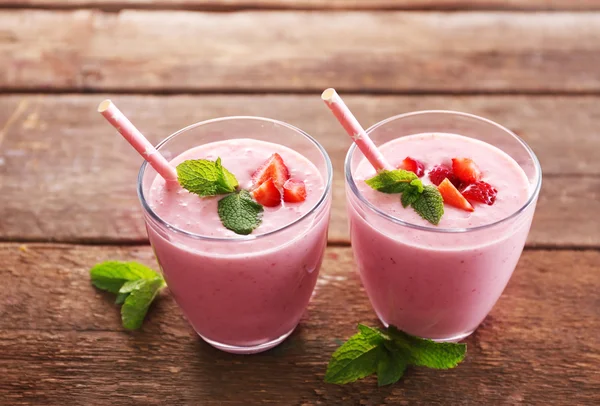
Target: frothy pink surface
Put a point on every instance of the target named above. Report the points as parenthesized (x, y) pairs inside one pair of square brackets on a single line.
[(432, 284), (241, 293), (499, 170), (241, 157)]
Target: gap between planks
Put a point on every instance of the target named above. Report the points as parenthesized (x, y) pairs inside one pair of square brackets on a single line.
[(258, 6), (241, 91), (334, 243)]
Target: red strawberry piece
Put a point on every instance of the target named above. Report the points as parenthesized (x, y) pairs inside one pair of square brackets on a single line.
[(441, 172), (481, 192), (267, 194), (466, 170), (294, 191), (273, 168), (452, 196), (410, 164)]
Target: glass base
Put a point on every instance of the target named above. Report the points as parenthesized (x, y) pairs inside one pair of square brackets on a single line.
[(248, 350), (453, 339)]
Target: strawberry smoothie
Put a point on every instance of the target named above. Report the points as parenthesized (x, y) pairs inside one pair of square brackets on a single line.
[(438, 282), (241, 293)]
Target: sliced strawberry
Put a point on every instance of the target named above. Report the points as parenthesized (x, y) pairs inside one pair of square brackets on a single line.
[(466, 170), (481, 192), (267, 194), (452, 196), (294, 191), (410, 164), (272, 168), (441, 172)]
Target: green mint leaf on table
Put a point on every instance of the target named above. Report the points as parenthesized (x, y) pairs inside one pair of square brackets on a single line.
[(430, 205), (427, 353), (394, 181), (240, 213), (391, 367), (135, 284), (121, 298), (137, 303), (111, 275), (387, 353), (356, 358), (205, 178)]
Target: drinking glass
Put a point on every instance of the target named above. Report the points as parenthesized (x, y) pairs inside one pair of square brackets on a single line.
[(243, 294), (429, 281)]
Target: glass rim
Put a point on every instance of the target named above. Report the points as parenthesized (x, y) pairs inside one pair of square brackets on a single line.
[(237, 238), (532, 196)]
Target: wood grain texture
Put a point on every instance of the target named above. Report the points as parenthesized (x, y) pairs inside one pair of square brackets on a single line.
[(315, 4), (65, 175), (291, 51), (61, 341)]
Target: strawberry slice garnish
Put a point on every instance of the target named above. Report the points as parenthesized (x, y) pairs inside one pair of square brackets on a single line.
[(441, 172), (273, 168), (452, 196), (466, 170), (267, 194), (412, 165), (294, 191), (481, 192)]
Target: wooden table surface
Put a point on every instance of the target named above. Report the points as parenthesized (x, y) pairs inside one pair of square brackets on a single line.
[(67, 186)]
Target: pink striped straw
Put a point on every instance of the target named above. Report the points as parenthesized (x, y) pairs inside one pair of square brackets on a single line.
[(355, 130), (137, 140)]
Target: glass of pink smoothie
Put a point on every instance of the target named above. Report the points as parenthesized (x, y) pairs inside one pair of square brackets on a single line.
[(440, 282), (241, 293)]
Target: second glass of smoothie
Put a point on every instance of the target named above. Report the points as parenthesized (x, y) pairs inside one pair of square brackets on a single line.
[(241, 293), (440, 282)]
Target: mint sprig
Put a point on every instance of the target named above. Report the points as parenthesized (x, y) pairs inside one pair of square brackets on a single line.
[(425, 200), (205, 178), (240, 213), (387, 352), (135, 284)]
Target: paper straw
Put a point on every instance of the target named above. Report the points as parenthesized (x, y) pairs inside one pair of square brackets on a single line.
[(355, 130), (137, 140)]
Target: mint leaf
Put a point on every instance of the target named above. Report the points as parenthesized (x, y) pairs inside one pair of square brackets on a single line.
[(111, 275), (226, 177), (137, 303), (240, 213), (390, 368), (356, 358), (428, 353), (205, 178), (418, 185), (121, 298), (135, 284), (394, 181), (130, 286), (387, 352), (430, 205), (411, 194)]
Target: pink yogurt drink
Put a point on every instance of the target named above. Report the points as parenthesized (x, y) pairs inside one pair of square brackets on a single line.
[(440, 282), (241, 293)]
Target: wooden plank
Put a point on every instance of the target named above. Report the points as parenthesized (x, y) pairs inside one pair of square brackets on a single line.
[(66, 176), (290, 51), (315, 4), (61, 341)]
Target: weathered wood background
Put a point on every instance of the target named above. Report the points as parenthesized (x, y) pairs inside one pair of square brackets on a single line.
[(67, 185)]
